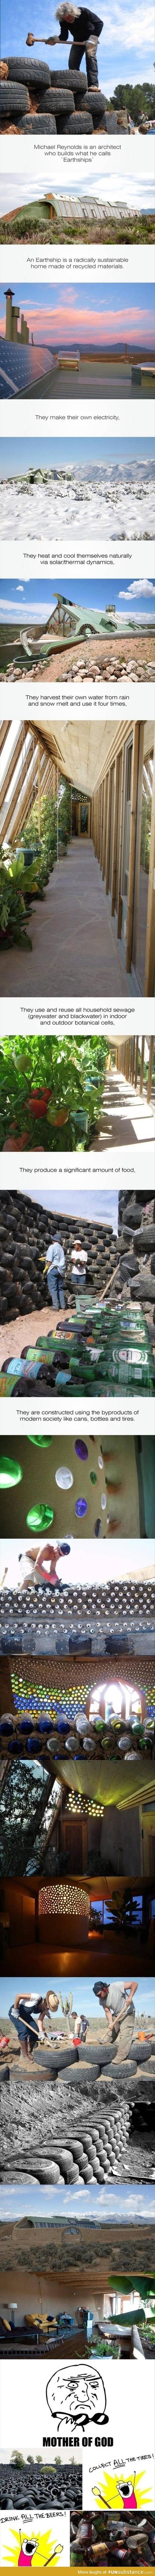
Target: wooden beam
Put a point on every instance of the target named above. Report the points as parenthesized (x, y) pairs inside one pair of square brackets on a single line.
[(138, 843), (16, 806), (27, 808), (113, 881), (136, 1061), (142, 1067), (4, 729), (134, 785), (104, 826), (12, 764), (101, 821), (14, 811), (120, 847), (151, 1054), (108, 826), (150, 933), (127, 1059), (39, 786)]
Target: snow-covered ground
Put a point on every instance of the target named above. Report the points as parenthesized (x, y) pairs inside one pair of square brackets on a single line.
[(108, 504)]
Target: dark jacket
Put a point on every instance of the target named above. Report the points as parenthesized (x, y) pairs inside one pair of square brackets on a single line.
[(86, 24)]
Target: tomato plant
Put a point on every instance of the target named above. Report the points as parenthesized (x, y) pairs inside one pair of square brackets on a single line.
[(54, 1084)]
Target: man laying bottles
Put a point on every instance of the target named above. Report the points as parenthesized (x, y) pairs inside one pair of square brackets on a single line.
[(85, 28)]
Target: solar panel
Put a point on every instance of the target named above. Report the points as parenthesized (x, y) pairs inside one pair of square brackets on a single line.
[(22, 367)]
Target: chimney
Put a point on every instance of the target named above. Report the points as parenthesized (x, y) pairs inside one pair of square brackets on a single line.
[(8, 325), (24, 331), (15, 335)]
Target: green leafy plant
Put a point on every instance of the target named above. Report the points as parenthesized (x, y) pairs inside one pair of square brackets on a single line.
[(52, 1087), (12, 904)]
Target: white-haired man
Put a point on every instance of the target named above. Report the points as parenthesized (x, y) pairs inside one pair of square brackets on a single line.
[(85, 29)]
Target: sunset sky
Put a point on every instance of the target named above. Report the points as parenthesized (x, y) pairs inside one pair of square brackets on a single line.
[(97, 315)]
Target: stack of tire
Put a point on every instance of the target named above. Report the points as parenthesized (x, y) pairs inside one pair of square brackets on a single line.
[(95, 2156), (35, 99), (136, 1236), (24, 1237)]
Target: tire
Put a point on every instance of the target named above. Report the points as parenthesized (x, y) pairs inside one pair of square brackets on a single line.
[(143, 1288), (80, 124), (70, 80), (34, 74), (60, 103), (11, 100), (141, 2054), (97, 105), (38, 125)]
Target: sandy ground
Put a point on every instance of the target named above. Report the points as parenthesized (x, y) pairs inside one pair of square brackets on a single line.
[(97, 2037), (26, 1329), (72, 2245), (108, 658)]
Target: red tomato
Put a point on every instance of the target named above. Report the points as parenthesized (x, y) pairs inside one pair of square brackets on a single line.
[(37, 1106), (44, 1094)]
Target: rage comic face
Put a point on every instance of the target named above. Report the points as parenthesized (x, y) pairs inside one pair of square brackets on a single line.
[(27, 2552), (126, 2489), (76, 2401)]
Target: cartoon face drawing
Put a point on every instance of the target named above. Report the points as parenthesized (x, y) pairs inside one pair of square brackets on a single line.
[(74, 2401), (27, 2553), (126, 2488)]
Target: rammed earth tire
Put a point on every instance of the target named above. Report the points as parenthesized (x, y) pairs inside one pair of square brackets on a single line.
[(11, 97), (80, 124), (97, 105), (73, 80), (35, 74), (60, 103), (38, 125)]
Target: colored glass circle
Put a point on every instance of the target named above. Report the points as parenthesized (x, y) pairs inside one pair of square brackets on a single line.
[(80, 1507), (103, 1502), (37, 1439), (93, 1478), (100, 1461), (64, 1478), (10, 1472), (81, 1449), (39, 1520)]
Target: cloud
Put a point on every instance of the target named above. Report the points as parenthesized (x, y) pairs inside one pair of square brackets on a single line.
[(92, 315), (136, 590)]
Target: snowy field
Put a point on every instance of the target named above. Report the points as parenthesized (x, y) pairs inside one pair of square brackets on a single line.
[(109, 502)]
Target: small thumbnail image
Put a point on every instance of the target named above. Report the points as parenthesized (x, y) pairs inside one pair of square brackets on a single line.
[(32, 2539), (81, 341), (106, 2544), (54, 217)]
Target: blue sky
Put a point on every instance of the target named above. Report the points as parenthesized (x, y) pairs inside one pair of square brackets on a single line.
[(126, 47), (103, 1207), (84, 1999), (18, 454), (104, 315), (127, 2205), (34, 599)]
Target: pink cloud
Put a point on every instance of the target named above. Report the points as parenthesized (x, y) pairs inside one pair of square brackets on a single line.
[(67, 323)]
